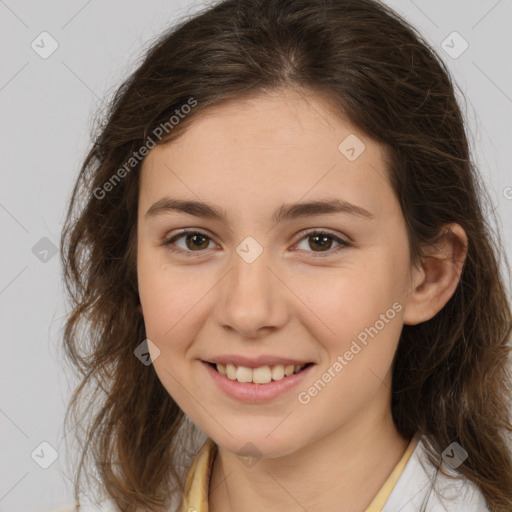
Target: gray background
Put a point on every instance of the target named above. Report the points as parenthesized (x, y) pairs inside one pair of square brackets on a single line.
[(47, 109)]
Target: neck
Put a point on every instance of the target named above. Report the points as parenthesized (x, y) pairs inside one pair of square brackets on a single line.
[(342, 471)]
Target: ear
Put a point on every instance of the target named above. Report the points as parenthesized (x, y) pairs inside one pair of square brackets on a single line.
[(435, 281)]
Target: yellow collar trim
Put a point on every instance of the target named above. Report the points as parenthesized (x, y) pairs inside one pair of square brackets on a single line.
[(197, 482)]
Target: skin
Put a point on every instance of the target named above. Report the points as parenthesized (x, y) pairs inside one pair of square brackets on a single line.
[(250, 157)]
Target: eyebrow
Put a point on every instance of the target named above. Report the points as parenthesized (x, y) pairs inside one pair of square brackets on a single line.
[(283, 213)]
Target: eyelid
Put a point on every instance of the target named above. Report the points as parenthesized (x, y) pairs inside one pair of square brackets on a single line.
[(322, 231), (169, 240)]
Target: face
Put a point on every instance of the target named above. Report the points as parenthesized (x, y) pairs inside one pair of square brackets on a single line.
[(271, 283)]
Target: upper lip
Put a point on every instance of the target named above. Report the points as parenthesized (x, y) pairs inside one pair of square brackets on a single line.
[(255, 362)]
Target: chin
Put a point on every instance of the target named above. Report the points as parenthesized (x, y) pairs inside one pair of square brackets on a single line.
[(256, 443)]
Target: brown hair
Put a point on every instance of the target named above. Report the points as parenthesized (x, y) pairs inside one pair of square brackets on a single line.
[(451, 381)]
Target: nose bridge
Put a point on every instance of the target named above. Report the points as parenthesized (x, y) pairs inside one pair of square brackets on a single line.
[(251, 294)]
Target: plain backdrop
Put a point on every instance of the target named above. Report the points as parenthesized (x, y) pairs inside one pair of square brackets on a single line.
[(47, 105)]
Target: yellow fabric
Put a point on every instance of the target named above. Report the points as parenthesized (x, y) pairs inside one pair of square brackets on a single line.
[(197, 482), (382, 496)]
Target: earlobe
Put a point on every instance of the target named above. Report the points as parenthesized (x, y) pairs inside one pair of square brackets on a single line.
[(435, 282)]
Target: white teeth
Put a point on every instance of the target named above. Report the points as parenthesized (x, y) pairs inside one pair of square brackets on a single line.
[(288, 370), (231, 371), (243, 374), (260, 375), (277, 372)]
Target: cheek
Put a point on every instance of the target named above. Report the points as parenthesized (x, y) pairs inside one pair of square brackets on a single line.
[(366, 317), (168, 300), (342, 302), (361, 308), (167, 297)]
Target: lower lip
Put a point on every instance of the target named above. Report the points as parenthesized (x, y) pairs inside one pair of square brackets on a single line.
[(256, 393)]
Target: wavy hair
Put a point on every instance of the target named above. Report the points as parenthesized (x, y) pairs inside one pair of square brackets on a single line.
[(451, 379)]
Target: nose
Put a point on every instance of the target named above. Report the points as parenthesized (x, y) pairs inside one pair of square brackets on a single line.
[(252, 298)]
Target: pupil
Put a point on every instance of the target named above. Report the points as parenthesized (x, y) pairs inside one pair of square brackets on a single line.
[(324, 238), (194, 238)]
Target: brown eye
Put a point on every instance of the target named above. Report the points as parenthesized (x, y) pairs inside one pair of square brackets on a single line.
[(321, 242), (194, 242)]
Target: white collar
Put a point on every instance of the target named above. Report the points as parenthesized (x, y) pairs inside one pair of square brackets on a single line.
[(415, 490)]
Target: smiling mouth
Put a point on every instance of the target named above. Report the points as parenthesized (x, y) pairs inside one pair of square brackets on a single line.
[(261, 375)]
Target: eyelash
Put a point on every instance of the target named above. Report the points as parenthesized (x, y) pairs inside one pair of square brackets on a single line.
[(318, 254)]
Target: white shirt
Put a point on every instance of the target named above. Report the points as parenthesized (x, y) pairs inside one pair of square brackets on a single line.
[(415, 489)]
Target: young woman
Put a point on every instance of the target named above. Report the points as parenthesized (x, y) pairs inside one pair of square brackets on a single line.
[(278, 242)]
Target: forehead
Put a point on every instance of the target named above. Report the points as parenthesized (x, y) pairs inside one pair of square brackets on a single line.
[(285, 143), (280, 119)]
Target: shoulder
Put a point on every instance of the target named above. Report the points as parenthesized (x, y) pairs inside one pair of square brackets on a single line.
[(424, 488)]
